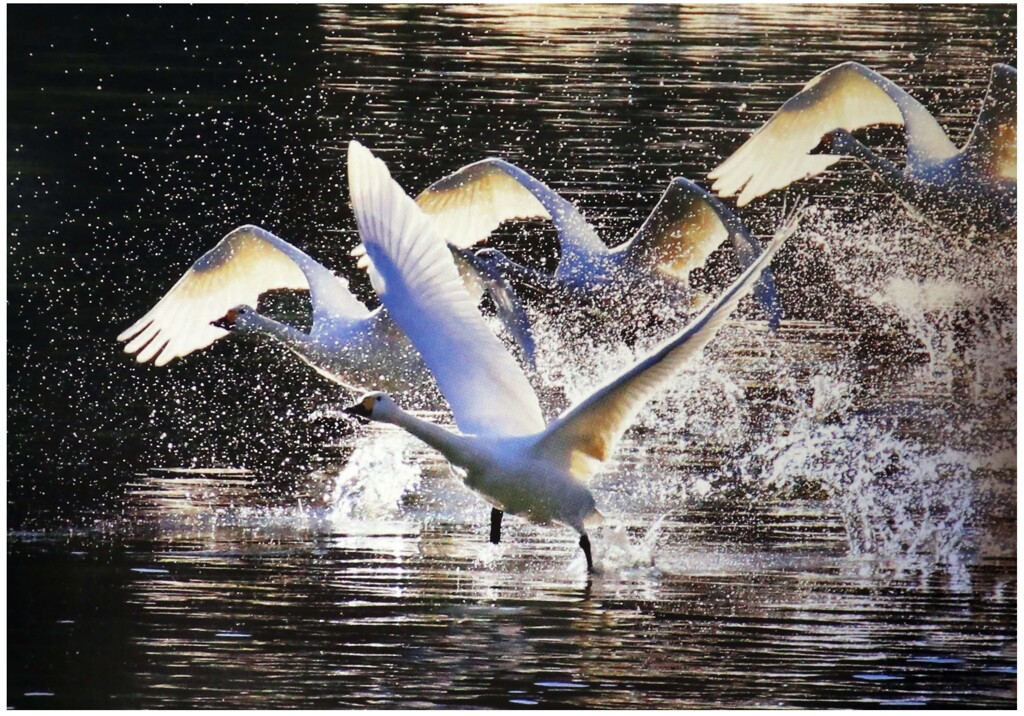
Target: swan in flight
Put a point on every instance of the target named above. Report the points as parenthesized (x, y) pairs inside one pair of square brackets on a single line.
[(976, 184), (685, 227), (348, 343), (510, 457)]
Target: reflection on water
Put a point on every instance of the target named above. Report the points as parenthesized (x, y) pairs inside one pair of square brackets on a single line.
[(824, 516), (758, 608)]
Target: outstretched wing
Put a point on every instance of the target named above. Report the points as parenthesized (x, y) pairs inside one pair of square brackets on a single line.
[(679, 235), (469, 204), (479, 279), (412, 270), (475, 200), (686, 226), (992, 147), (848, 96), (587, 433), (245, 264)]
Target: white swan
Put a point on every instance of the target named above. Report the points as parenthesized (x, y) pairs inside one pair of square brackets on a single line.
[(974, 185), (685, 227), (511, 458), (348, 343)]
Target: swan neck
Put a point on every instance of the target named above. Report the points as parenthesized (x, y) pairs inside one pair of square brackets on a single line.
[(882, 166), (292, 337), (449, 444), (523, 274)]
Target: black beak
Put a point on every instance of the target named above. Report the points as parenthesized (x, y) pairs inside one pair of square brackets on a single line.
[(358, 410), (227, 321), (827, 145)]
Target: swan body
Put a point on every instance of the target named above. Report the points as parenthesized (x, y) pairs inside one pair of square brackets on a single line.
[(976, 184), (347, 343), (506, 471), (511, 457), (685, 227)]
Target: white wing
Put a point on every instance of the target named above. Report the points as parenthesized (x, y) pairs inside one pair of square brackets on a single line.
[(848, 96), (683, 230), (588, 432), (246, 263), (412, 270), (475, 200), (469, 204), (685, 227)]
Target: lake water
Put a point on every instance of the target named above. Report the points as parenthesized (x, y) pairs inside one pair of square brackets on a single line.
[(820, 517)]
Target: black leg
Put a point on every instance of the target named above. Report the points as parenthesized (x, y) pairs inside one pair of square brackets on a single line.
[(585, 544), (496, 515)]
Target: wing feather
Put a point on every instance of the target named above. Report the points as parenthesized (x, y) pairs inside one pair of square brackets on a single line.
[(587, 433), (848, 96), (685, 228), (679, 235), (412, 270), (246, 263), (476, 199)]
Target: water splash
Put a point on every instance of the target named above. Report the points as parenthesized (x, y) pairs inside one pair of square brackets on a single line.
[(955, 293), (375, 478), (623, 553), (897, 498)]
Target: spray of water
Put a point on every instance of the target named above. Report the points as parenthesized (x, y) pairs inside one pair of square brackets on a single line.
[(907, 456), (904, 458), (375, 478)]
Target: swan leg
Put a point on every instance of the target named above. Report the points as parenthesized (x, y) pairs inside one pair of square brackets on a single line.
[(496, 516), (585, 545)]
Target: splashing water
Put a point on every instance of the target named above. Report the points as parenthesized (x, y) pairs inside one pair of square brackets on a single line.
[(897, 497), (375, 478), (898, 454), (622, 553), (953, 292)]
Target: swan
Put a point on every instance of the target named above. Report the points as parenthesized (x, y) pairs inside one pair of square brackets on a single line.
[(510, 457), (685, 227), (348, 343), (976, 185)]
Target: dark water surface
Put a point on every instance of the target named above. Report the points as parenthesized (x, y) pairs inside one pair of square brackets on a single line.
[(822, 517)]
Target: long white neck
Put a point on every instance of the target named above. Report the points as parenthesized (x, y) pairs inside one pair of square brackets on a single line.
[(291, 337), (454, 447), (890, 173)]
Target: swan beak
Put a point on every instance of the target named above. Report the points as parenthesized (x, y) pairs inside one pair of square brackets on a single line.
[(831, 143), (227, 321), (358, 410)]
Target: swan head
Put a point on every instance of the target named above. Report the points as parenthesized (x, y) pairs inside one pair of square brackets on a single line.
[(836, 142), (492, 257), (373, 406), (235, 318)]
